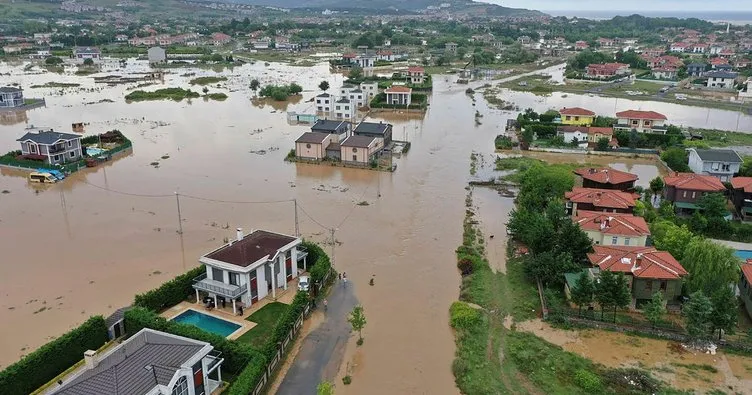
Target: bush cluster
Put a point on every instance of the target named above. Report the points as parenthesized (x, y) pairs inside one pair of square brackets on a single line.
[(169, 293), (463, 316), (53, 358)]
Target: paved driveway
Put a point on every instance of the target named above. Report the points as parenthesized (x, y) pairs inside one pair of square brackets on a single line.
[(323, 349)]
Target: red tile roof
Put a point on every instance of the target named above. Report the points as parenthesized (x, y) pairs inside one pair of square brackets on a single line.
[(605, 198), (416, 69), (612, 223), (641, 262), (350, 56), (747, 272), (744, 183), (605, 175), (717, 61), (634, 114), (576, 111), (695, 182), (398, 89), (600, 130)]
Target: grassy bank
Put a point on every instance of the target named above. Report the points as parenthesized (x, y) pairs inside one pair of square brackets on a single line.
[(207, 80), (176, 94), (56, 85), (720, 138)]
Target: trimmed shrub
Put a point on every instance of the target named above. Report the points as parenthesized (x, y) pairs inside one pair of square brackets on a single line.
[(588, 381), (53, 358), (169, 293), (285, 324), (461, 315), (236, 354), (249, 377), (321, 263)]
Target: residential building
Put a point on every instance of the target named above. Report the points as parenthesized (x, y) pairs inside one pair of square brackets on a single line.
[(685, 189), (524, 40), (416, 74), (696, 69), (80, 54), (572, 134), (613, 228), (148, 363), (51, 147), (606, 70), (370, 89), (358, 97), (715, 62), (715, 49), (121, 38), (365, 61), (745, 287), (324, 103), (399, 95), (606, 42), (16, 48), (647, 269), (250, 267), (664, 72), (741, 196), (720, 163), (746, 94), (723, 67), (580, 45), (11, 97), (721, 79), (641, 121), (340, 129), (219, 38), (699, 48), (606, 178), (679, 47), (451, 48), (361, 150), (313, 145), (372, 129), (604, 200), (597, 133), (576, 116), (385, 56), (345, 109), (156, 55)]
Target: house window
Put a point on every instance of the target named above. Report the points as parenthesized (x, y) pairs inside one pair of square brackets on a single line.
[(73, 154), (321, 108), (217, 275), (726, 167), (576, 118), (355, 158), (56, 157), (337, 107), (70, 144), (684, 194), (32, 148), (614, 240), (715, 165), (181, 387), (626, 241), (234, 278), (693, 195), (569, 118), (649, 286), (664, 284)]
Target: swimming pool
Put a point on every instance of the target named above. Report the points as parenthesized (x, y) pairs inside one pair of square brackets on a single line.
[(92, 151), (744, 254), (207, 322)]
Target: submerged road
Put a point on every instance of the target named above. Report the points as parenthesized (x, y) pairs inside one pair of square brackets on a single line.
[(322, 350)]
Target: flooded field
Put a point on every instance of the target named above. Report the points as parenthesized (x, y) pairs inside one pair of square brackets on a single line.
[(86, 246)]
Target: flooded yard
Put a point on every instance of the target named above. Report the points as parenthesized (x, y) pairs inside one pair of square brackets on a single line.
[(87, 245)]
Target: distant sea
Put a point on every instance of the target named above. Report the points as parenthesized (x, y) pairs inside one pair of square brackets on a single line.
[(735, 18)]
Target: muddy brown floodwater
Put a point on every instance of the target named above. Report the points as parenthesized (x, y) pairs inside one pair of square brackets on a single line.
[(87, 245)]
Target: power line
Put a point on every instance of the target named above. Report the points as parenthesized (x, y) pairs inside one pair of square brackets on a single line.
[(237, 201), (313, 219), (125, 193), (353, 207)]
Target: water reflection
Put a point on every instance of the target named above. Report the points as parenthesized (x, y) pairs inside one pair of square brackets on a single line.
[(13, 117)]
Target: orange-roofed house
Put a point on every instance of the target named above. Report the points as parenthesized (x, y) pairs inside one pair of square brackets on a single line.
[(416, 74), (576, 116), (641, 121), (595, 133), (613, 228), (648, 270), (606, 178), (685, 189), (741, 195), (745, 287), (603, 200), (398, 95)]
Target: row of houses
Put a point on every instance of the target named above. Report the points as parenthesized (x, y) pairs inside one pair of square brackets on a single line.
[(338, 141), (641, 121)]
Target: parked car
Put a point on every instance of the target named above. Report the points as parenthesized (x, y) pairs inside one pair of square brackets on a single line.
[(304, 283)]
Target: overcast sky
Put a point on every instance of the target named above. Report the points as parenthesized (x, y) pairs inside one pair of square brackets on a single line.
[(644, 5)]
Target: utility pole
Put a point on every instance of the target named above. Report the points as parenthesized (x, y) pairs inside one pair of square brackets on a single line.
[(333, 241), (180, 218), (297, 224)]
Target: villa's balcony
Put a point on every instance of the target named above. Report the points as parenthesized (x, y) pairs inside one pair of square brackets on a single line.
[(202, 283)]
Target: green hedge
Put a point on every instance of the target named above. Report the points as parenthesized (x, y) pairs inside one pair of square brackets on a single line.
[(169, 293), (53, 358), (247, 380), (284, 325), (320, 261), (236, 354)]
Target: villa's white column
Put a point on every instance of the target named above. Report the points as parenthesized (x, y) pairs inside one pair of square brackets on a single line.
[(274, 282), (216, 304), (233, 307), (219, 373), (197, 301), (283, 269)]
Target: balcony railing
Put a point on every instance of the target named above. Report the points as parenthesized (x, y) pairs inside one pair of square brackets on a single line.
[(202, 283)]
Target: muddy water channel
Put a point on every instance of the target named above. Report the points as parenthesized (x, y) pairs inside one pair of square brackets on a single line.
[(87, 245)]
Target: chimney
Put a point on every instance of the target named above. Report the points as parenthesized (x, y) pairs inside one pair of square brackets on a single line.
[(239, 233), (90, 359)]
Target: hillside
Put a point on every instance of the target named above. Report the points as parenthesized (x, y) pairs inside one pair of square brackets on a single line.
[(404, 5)]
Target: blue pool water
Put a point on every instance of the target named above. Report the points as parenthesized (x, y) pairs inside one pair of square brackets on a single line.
[(207, 322), (744, 254)]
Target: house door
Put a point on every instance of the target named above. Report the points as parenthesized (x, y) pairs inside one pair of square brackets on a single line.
[(288, 266), (355, 158), (254, 290)]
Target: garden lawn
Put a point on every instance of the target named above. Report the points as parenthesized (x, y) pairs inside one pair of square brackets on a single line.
[(265, 318)]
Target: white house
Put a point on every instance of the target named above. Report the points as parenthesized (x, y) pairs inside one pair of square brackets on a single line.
[(365, 61), (720, 79), (345, 108), (370, 89), (641, 121), (579, 134), (148, 363), (324, 102), (746, 95), (156, 55), (358, 97), (399, 95), (719, 163), (250, 267), (80, 54)]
